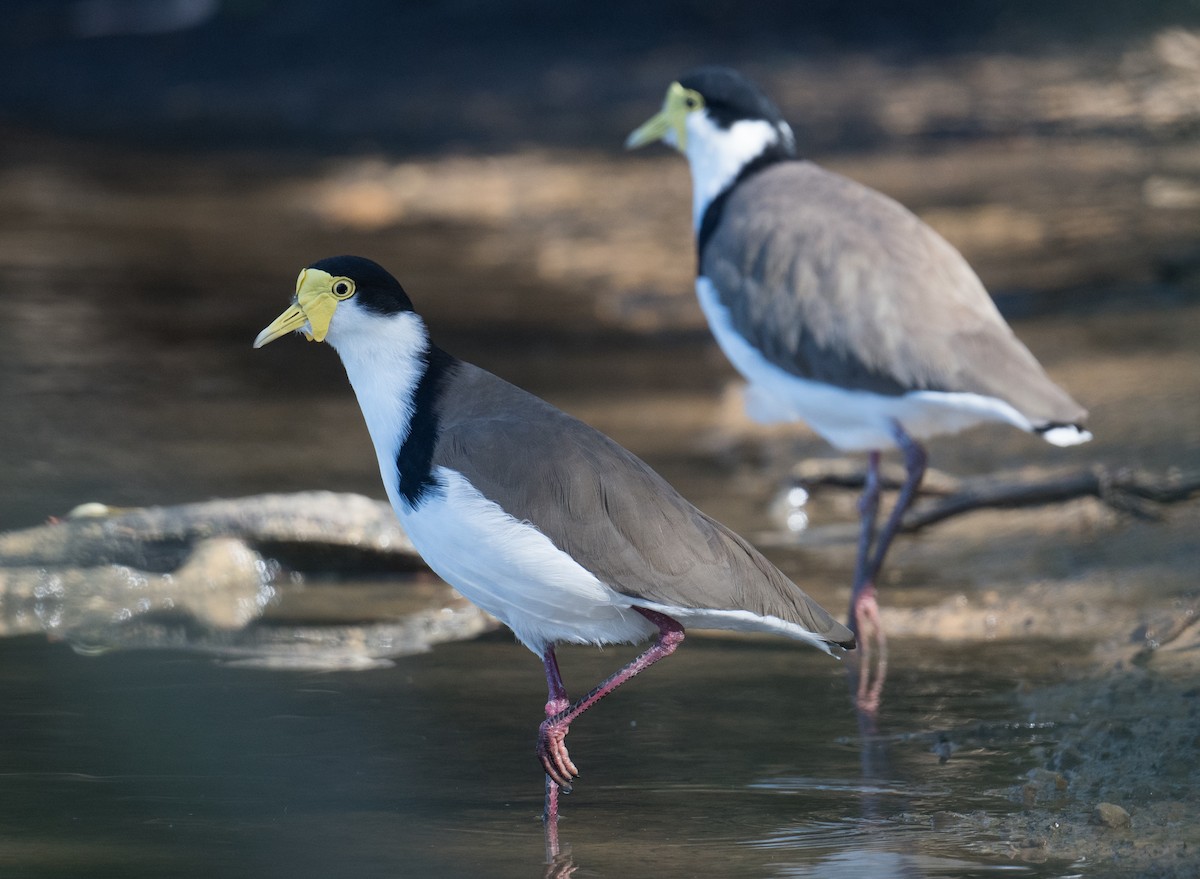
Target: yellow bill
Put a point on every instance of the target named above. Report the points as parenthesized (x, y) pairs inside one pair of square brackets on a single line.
[(672, 118), (290, 321)]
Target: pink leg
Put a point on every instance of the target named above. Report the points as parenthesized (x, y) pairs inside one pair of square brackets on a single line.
[(864, 608), (865, 613), (550, 820), (556, 702), (551, 748)]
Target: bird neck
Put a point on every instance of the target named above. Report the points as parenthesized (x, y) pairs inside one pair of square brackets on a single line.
[(396, 373), (718, 155), (711, 218)]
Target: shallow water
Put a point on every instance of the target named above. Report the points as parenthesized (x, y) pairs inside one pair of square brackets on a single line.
[(731, 758)]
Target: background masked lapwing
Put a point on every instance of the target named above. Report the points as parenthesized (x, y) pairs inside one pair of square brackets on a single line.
[(537, 518), (839, 306)]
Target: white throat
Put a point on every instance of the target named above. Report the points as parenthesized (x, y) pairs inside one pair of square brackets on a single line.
[(717, 155), (383, 357)]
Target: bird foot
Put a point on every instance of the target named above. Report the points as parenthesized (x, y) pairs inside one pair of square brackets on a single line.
[(561, 866), (552, 751)]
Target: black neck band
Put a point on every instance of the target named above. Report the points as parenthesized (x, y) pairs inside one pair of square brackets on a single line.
[(414, 461), (712, 214)]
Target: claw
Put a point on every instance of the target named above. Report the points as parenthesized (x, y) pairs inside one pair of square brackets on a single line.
[(552, 752), (555, 774)]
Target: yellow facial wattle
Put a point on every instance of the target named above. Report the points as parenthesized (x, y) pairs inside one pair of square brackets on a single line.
[(317, 296)]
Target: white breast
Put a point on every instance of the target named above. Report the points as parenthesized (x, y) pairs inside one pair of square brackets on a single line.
[(514, 572), (382, 357)]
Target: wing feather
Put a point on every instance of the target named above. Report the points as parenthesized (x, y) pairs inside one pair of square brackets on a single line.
[(605, 507), (836, 282)]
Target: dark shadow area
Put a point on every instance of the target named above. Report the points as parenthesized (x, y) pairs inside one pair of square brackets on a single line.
[(411, 77)]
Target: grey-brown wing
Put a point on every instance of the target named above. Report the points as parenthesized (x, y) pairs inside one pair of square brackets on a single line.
[(606, 508), (834, 281)]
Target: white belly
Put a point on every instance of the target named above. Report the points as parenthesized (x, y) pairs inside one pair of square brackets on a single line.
[(850, 420), (514, 572)]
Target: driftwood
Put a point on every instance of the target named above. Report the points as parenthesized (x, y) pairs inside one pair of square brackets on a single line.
[(849, 473), (1130, 491), (310, 645), (206, 577), (307, 528)]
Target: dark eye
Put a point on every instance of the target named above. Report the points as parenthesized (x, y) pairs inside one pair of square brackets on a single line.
[(691, 102), (343, 288)]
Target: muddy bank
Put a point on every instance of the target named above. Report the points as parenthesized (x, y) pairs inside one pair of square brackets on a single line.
[(1117, 787)]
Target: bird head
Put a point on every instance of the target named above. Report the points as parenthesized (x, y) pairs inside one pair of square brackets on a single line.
[(715, 108), (332, 295)]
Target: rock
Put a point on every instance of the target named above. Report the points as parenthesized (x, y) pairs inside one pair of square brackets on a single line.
[(222, 584), (1110, 815), (1043, 786)]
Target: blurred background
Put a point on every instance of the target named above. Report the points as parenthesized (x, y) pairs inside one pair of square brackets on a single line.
[(167, 168)]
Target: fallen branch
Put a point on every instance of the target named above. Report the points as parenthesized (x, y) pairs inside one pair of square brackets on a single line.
[(849, 473), (1124, 490), (1130, 491)]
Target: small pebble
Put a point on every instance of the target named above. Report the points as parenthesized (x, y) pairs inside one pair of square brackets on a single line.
[(1110, 815)]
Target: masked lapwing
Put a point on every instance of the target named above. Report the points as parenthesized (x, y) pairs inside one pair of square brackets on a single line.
[(542, 521), (839, 306)]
